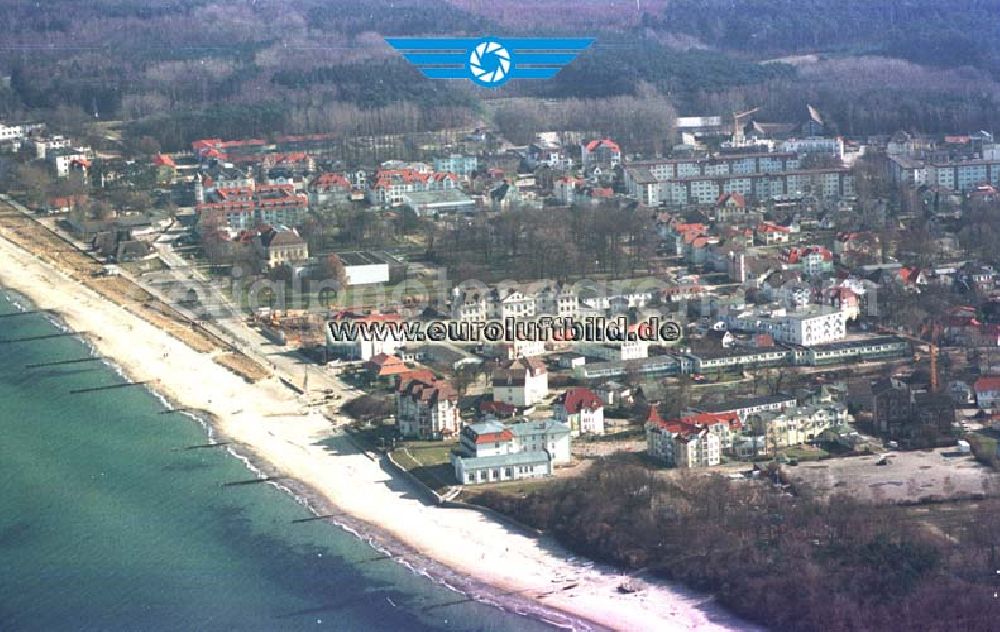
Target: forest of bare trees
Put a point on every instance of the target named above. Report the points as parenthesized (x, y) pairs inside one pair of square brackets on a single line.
[(789, 562), (547, 243), (183, 70)]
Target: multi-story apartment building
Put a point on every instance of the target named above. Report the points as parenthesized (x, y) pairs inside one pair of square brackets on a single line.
[(460, 165), (677, 182), (813, 326), (823, 146), (524, 383), (907, 171), (427, 409), (604, 154), (963, 175), (681, 442), (43, 145), (556, 300), (18, 131), (798, 425), (329, 189), (811, 260), (750, 406), (390, 186), (246, 208)]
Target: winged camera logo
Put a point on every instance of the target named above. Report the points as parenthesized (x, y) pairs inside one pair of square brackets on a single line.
[(489, 61)]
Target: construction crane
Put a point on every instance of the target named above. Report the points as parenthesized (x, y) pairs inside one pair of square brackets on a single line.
[(737, 128), (933, 332), (934, 349)]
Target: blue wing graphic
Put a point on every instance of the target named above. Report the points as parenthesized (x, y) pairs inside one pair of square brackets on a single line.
[(490, 61)]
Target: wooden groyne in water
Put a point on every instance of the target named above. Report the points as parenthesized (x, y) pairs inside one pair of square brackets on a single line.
[(39, 365), (26, 313), (61, 334), (78, 391)]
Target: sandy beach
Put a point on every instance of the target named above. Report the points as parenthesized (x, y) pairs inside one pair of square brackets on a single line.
[(268, 425)]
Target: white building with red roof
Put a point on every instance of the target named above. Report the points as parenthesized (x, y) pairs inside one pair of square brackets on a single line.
[(390, 186), (604, 153), (582, 410), (987, 390), (685, 442), (769, 234), (329, 189)]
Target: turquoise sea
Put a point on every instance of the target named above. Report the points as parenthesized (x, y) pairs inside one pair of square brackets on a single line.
[(108, 523)]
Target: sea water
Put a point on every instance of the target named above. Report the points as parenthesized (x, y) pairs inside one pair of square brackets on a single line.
[(107, 522)]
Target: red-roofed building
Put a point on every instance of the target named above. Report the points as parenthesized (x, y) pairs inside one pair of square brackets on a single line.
[(912, 276), (770, 234), (66, 204), (604, 154), (582, 410), (248, 207), (730, 206), (427, 409), (684, 442), (490, 408), (383, 366), (389, 186), (844, 299), (987, 390), (329, 189), (812, 260)]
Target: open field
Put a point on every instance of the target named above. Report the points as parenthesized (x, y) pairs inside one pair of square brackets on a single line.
[(910, 476)]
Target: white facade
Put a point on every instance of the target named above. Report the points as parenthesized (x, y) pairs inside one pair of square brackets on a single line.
[(687, 447), (361, 349), (617, 351), (491, 451), (367, 274), (582, 410), (486, 304), (533, 390), (548, 436), (808, 327)]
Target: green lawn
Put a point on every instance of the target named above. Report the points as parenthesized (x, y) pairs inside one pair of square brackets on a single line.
[(805, 453), (429, 461), (509, 488)]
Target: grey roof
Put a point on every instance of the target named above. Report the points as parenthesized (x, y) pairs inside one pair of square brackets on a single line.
[(505, 460), (750, 402), (548, 426), (446, 198), (486, 427)]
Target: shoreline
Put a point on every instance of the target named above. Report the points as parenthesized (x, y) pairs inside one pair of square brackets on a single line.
[(458, 548), (322, 509)]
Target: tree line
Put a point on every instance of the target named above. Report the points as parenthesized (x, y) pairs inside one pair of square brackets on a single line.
[(787, 562)]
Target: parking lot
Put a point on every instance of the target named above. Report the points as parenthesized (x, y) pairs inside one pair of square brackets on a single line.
[(909, 476)]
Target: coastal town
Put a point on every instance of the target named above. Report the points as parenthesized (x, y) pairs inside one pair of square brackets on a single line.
[(799, 342), (691, 366)]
